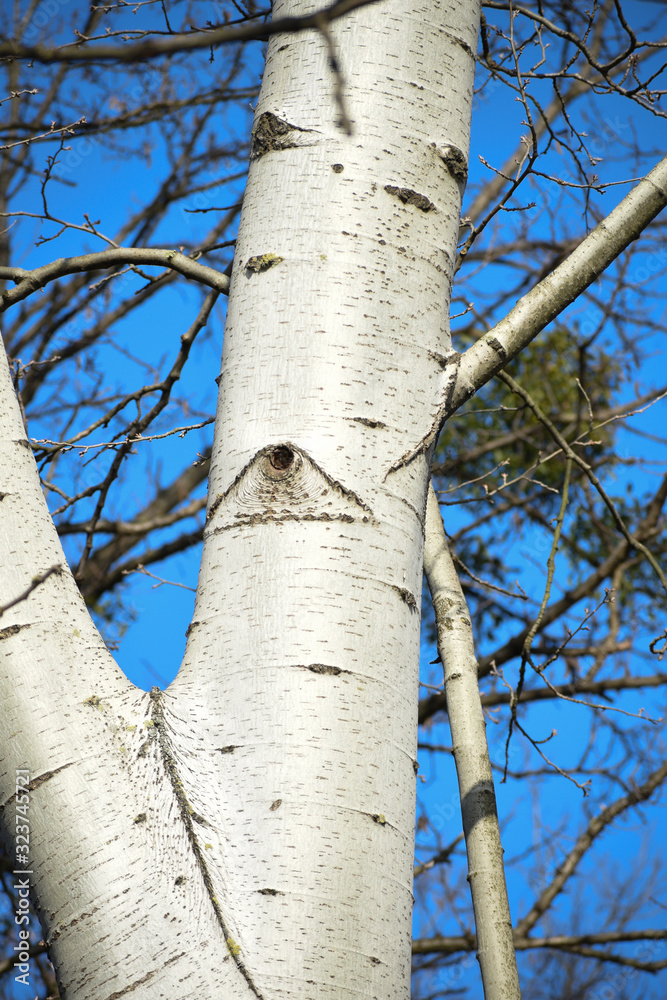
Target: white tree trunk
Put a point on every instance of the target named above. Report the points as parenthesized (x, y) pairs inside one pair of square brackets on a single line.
[(110, 867), (250, 832), (305, 651)]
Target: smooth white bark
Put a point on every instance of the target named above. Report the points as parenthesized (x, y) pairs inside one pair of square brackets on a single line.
[(304, 655), (105, 847)]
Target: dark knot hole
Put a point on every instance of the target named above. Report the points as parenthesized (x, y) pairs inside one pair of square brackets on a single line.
[(281, 457)]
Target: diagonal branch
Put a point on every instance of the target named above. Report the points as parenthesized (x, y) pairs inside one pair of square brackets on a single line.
[(595, 827), (550, 297), (471, 754)]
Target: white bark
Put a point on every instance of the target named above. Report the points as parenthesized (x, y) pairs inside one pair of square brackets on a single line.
[(305, 654), (254, 834), (486, 873), (106, 848)]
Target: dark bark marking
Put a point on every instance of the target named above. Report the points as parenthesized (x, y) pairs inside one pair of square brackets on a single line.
[(406, 596), (440, 359), (36, 782), (95, 702), (464, 45), (5, 633), (272, 133), (494, 343), (281, 457), (455, 161), (337, 168), (325, 668), (263, 465), (214, 506), (410, 197), (230, 749), (368, 423), (262, 262)]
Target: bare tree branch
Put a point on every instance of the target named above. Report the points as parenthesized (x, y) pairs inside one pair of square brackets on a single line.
[(155, 47), (28, 282)]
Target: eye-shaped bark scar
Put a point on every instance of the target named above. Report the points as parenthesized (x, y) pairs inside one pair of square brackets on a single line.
[(282, 483)]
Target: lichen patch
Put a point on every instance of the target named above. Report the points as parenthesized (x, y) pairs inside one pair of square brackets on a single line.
[(262, 262)]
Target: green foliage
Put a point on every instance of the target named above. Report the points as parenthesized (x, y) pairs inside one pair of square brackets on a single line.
[(568, 380), (499, 474)]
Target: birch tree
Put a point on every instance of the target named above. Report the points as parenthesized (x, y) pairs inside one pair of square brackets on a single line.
[(250, 830)]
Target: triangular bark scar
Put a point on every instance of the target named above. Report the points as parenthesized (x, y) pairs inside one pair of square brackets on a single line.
[(273, 133), (282, 483), (451, 365)]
